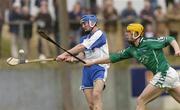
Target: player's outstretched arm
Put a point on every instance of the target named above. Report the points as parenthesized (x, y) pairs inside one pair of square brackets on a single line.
[(103, 60), (175, 45), (75, 50), (71, 59)]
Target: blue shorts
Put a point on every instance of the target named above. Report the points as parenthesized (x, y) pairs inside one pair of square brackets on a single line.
[(91, 74)]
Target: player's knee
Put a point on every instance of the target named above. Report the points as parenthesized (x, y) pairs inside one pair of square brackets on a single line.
[(96, 95)]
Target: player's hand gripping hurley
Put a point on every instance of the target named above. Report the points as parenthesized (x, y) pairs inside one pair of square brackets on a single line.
[(45, 36)]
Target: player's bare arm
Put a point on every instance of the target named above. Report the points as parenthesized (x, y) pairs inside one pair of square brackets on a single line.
[(175, 45), (75, 50), (104, 60), (71, 59)]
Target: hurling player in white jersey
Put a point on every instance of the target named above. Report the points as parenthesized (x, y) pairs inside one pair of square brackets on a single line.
[(92, 45)]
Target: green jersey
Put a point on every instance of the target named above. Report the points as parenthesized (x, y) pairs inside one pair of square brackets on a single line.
[(149, 53)]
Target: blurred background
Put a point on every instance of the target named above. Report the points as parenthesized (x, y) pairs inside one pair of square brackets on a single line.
[(55, 86)]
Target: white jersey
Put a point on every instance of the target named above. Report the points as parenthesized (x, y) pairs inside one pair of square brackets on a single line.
[(96, 46)]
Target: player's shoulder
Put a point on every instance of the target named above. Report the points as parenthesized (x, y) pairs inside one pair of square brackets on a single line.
[(154, 39), (149, 39), (98, 33), (102, 33)]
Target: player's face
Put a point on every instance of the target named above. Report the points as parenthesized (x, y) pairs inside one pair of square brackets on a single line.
[(85, 26), (129, 36)]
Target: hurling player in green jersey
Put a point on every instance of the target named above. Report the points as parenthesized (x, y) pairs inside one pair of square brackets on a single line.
[(148, 52)]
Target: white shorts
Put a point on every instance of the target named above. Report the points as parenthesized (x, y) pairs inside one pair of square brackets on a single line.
[(170, 80)]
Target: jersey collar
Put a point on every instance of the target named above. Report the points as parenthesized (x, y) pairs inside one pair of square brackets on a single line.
[(140, 41), (91, 33)]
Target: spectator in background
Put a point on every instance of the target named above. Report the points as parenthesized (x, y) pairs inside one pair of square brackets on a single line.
[(26, 17), (173, 16), (159, 15), (14, 17), (149, 32), (110, 17), (128, 15), (44, 22), (74, 17), (154, 4), (147, 15), (161, 29), (169, 2), (28, 3), (93, 7), (1, 25), (25, 3), (35, 8)]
